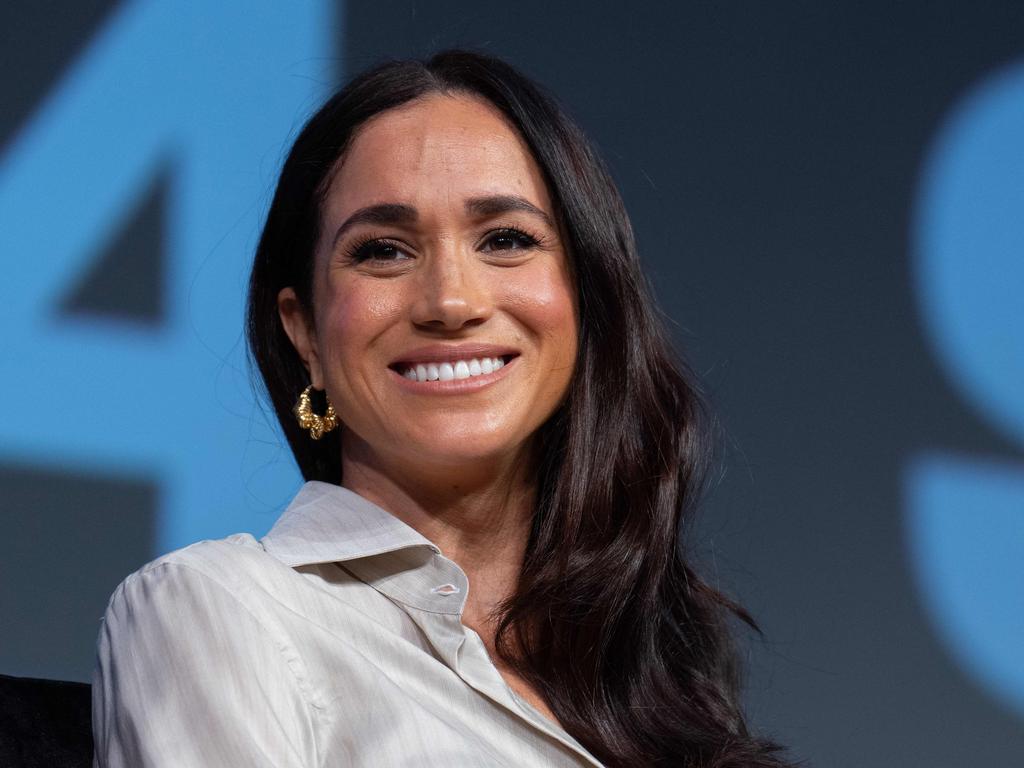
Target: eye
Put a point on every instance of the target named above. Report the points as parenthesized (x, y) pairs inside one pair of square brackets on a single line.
[(509, 239), (376, 250)]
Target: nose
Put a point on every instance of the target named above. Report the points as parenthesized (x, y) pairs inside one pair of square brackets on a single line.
[(453, 292)]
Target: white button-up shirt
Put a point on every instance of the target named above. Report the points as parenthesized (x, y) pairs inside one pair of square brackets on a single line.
[(334, 640)]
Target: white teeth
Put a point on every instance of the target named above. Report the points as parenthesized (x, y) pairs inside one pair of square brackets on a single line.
[(457, 369)]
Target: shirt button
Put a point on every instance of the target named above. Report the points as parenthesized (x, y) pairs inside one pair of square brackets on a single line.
[(446, 589)]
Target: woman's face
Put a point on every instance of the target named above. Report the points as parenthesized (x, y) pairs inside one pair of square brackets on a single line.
[(439, 261)]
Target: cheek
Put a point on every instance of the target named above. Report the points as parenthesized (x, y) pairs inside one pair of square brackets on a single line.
[(545, 300), (355, 314)]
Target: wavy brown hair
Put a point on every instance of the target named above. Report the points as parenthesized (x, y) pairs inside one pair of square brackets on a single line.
[(629, 646)]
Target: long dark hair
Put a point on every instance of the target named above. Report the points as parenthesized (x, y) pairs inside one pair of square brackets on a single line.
[(610, 622)]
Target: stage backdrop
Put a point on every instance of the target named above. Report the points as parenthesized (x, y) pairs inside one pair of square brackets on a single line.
[(829, 202)]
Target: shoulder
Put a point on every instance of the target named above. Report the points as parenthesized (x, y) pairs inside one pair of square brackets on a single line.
[(213, 600), (222, 560), (211, 579), (194, 667)]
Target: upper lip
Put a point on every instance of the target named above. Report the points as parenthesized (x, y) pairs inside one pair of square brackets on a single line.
[(441, 353)]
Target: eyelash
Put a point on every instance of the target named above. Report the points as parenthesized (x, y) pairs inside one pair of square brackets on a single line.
[(361, 250)]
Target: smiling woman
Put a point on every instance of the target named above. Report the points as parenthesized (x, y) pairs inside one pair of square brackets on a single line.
[(485, 565), (444, 252)]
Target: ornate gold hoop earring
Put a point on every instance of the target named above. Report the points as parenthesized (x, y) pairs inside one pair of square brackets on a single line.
[(317, 425)]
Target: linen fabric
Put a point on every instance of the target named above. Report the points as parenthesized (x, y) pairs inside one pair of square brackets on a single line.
[(335, 640)]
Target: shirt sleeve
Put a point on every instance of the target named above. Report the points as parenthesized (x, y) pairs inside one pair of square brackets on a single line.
[(188, 675)]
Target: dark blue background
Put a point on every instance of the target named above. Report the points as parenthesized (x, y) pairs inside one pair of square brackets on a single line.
[(770, 156)]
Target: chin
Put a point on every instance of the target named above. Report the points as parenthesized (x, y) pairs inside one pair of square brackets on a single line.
[(457, 450), (465, 454)]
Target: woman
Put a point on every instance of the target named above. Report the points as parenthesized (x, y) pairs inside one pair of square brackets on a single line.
[(485, 565)]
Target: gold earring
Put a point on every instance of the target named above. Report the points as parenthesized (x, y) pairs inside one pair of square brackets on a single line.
[(317, 425)]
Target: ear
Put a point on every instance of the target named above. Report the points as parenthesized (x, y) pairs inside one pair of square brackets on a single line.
[(300, 329)]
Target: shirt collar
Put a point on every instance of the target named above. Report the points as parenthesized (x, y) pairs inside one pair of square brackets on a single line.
[(326, 523)]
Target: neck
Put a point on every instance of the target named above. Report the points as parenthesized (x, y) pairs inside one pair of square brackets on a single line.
[(479, 515)]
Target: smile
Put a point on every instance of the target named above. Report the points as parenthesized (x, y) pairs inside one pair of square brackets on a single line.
[(455, 369), (453, 375)]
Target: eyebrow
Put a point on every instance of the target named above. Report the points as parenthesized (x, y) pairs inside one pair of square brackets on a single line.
[(494, 205), (400, 213), (384, 213)]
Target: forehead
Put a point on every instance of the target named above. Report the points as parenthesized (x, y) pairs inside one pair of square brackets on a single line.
[(437, 150)]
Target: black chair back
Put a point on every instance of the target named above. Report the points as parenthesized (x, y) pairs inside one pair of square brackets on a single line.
[(45, 723)]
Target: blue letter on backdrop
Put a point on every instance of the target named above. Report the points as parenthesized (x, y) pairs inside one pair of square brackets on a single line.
[(966, 514), (213, 92)]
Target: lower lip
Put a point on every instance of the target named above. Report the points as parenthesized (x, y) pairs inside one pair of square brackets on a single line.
[(454, 386)]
